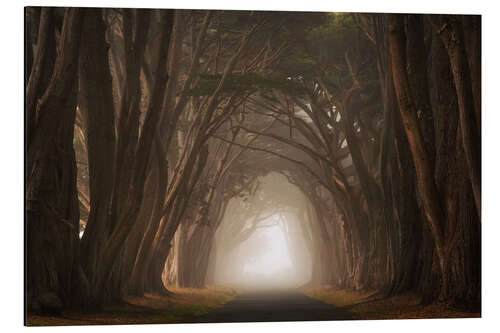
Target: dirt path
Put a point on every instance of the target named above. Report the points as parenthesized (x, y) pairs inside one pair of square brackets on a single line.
[(274, 305)]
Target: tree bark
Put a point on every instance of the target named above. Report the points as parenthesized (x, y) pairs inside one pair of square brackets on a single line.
[(99, 113), (450, 29), (425, 181), (51, 195), (41, 70), (135, 191)]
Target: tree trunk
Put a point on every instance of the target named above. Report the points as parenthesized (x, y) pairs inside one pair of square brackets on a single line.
[(97, 93), (135, 192), (41, 70), (450, 30), (51, 195), (425, 176)]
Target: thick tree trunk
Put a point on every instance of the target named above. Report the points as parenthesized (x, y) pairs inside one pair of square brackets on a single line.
[(96, 90), (51, 195), (138, 272), (41, 70), (425, 176), (129, 108), (162, 142), (407, 228), (31, 25), (135, 192), (164, 236), (417, 77), (453, 183), (451, 32), (472, 35)]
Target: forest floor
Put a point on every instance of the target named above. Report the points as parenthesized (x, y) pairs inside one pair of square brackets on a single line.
[(366, 305), (182, 307), (188, 305)]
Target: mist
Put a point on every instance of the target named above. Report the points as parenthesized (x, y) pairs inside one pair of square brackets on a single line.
[(202, 152), (271, 251)]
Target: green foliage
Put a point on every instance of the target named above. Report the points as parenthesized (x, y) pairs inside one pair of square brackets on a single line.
[(321, 47), (339, 26), (299, 65), (249, 82)]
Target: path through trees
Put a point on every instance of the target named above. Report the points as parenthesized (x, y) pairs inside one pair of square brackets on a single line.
[(150, 135)]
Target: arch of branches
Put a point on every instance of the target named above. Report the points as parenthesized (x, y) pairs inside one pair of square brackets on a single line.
[(144, 125)]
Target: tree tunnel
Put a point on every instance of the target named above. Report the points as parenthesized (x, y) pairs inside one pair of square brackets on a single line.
[(196, 147), (268, 248), (275, 235)]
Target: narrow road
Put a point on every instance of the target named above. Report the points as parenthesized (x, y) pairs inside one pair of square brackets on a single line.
[(274, 305)]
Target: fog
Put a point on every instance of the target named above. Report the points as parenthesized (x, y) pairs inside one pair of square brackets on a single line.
[(260, 243)]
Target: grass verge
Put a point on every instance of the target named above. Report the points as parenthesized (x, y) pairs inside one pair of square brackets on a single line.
[(183, 307), (366, 305)]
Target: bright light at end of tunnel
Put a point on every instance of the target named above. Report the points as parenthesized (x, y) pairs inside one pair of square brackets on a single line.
[(275, 258), (266, 261), (265, 251)]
